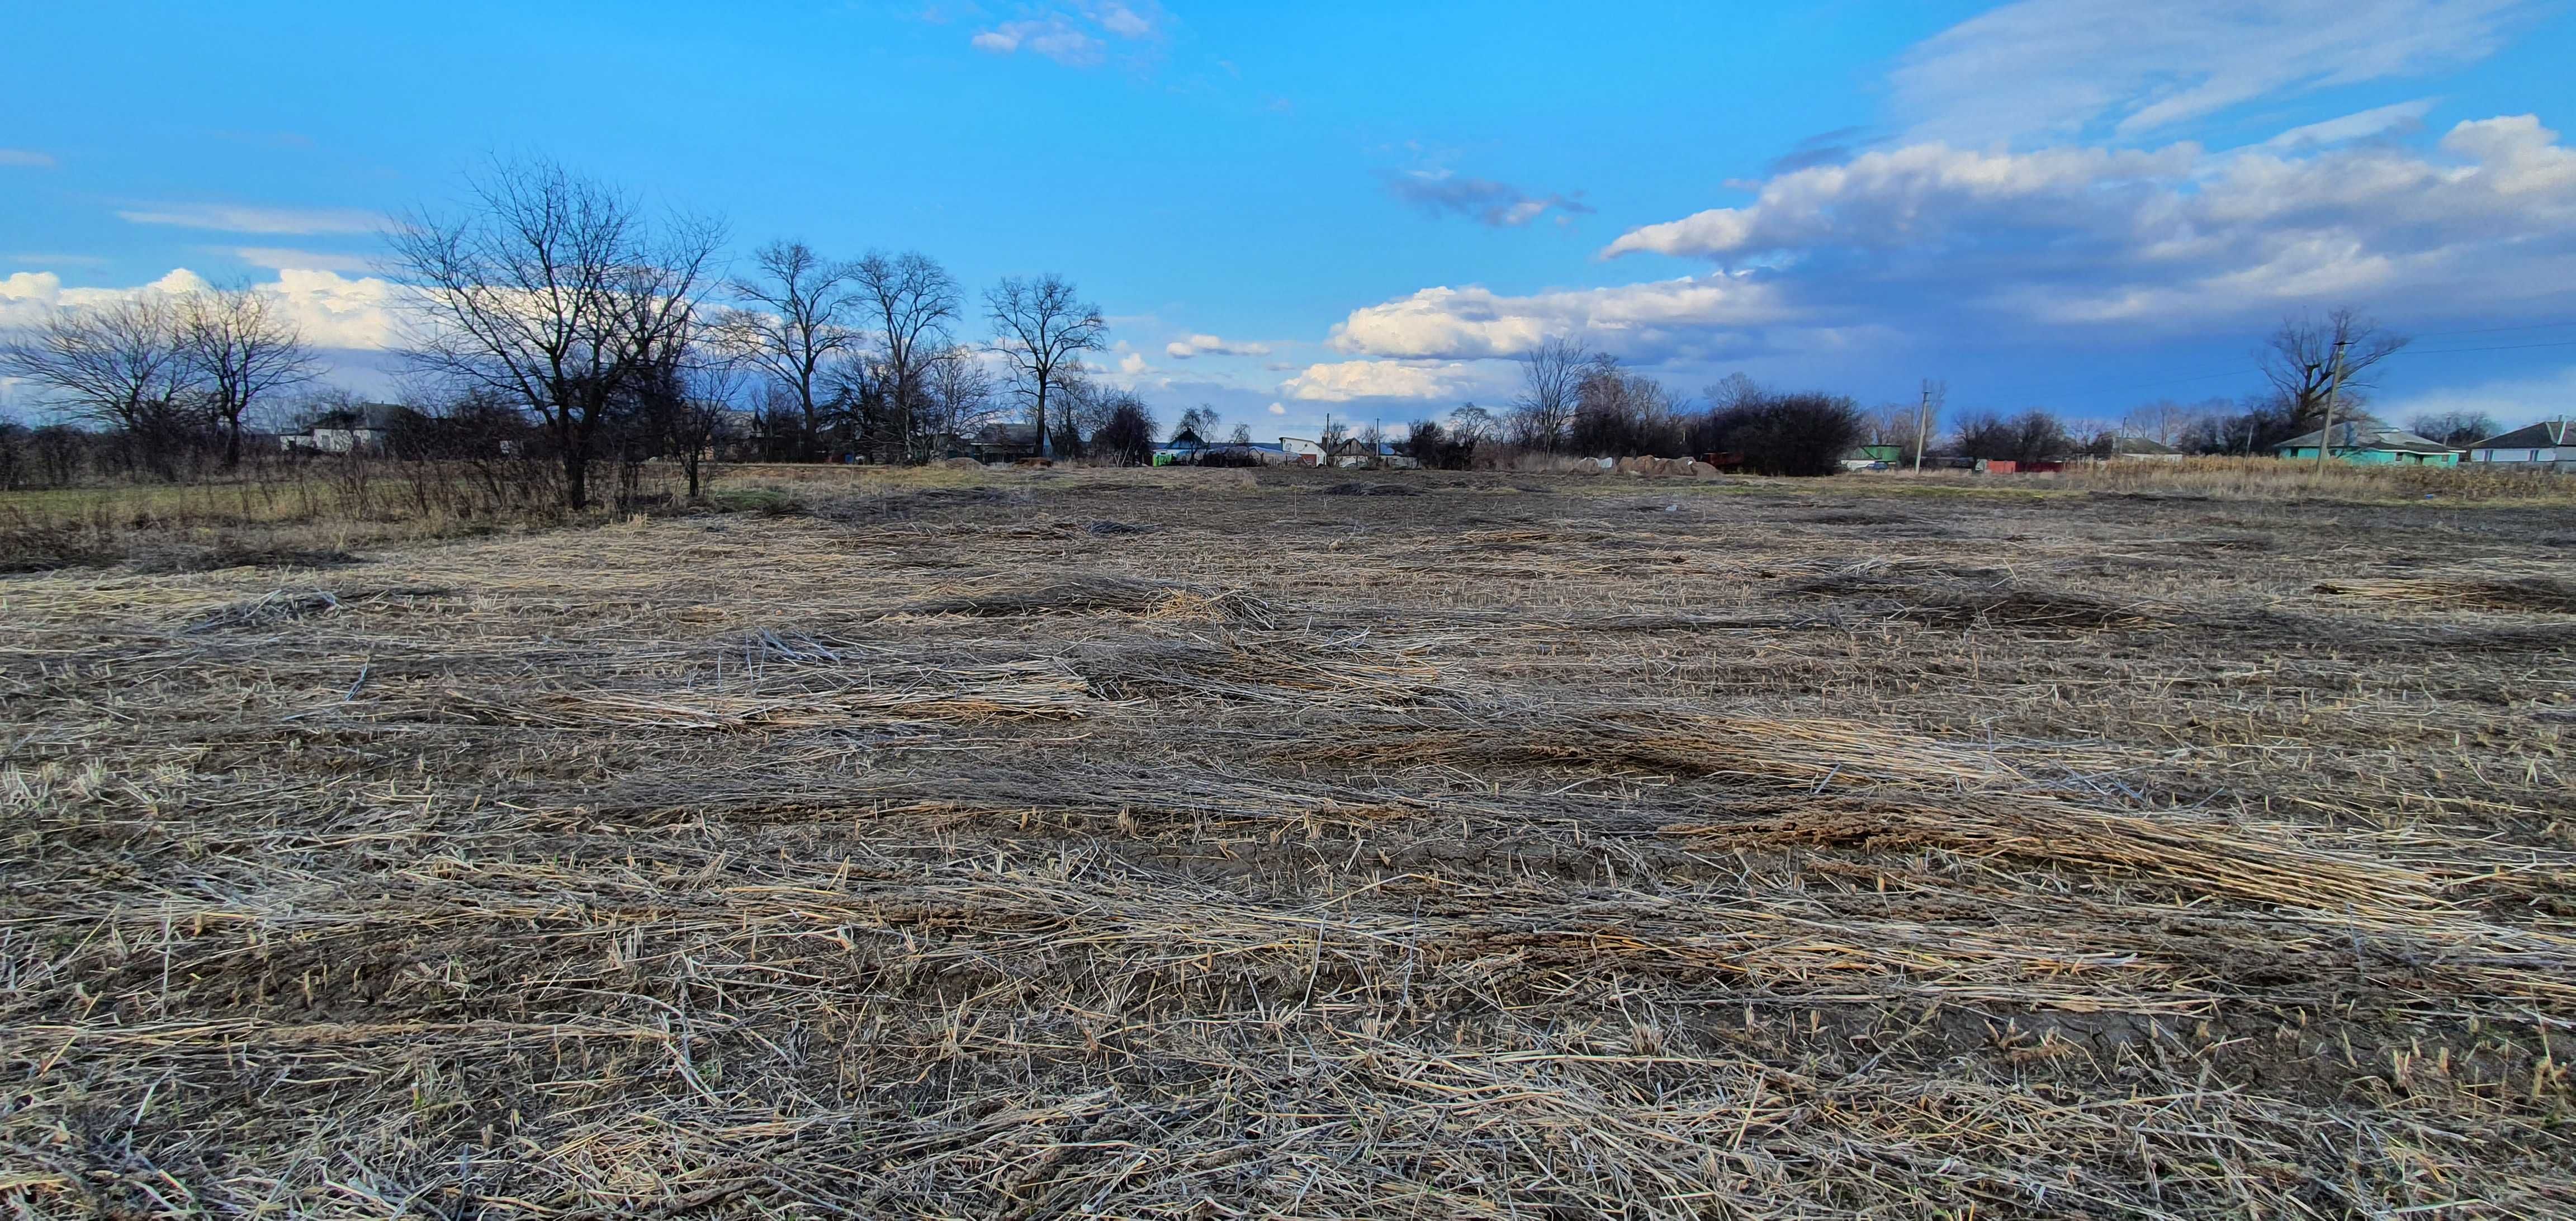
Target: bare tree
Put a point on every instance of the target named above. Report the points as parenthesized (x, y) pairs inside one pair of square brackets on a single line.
[(1618, 414), (2299, 361), (556, 293), (802, 320), (958, 391), (912, 299), (1041, 328), (2163, 421), (1474, 423), (1551, 377), (2458, 428), (244, 349), (123, 365), (1200, 421)]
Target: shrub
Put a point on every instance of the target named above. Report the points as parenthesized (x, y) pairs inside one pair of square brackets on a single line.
[(1786, 434), (1126, 437)]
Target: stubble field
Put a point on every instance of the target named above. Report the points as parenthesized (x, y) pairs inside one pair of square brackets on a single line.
[(1215, 844)]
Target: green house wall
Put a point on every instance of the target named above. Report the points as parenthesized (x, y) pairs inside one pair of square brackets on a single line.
[(2372, 457)]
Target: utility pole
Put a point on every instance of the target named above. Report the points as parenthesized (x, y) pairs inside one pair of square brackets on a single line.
[(2334, 388), (1923, 426)]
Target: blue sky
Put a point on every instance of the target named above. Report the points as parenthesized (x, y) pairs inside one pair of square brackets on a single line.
[(1368, 208)]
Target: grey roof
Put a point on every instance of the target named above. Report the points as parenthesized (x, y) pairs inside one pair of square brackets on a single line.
[(1007, 434), (2543, 435), (2126, 444), (2370, 436)]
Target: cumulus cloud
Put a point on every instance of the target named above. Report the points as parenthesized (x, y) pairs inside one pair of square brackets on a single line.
[(1499, 204), (239, 218), (332, 311), (1075, 35), (1906, 197), (1278, 409), (27, 157), (1210, 345), (2047, 68), (1342, 381), (2093, 235), (1640, 319)]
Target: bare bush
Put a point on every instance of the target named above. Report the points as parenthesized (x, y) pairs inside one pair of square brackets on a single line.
[(1787, 434), (2032, 436), (1126, 433)]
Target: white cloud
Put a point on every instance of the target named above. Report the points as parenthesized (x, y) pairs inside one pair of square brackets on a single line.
[(1210, 345), (27, 157), (331, 310), (1133, 363), (1474, 322), (239, 218), (1904, 197), (279, 258), (2062, 67), (2379, 121), (1355, 379), (1278, 409), (1125, 22), (1051, 37), (2171, 237), (1076, 35)]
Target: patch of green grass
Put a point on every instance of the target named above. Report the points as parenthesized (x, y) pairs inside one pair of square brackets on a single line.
[(766, 501)]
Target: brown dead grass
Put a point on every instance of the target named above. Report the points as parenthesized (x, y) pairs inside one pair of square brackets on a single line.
[(1524, 848)]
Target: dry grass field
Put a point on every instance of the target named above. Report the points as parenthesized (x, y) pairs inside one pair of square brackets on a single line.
[(1222, 844)]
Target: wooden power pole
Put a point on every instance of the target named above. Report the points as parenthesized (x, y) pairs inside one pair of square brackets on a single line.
[(1923, 427), (2334, 388)]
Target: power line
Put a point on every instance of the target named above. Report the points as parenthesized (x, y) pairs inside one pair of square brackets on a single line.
[(2510, 347), (2492, 330)]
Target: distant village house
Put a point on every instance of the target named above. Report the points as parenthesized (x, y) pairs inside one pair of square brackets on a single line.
[(2548, 445), (2370, 444), (349, 430)]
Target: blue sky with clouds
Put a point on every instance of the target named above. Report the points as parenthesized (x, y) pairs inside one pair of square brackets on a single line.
[(1369, 208)]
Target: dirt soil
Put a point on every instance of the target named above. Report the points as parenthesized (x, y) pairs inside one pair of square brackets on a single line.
[(1228, 844)]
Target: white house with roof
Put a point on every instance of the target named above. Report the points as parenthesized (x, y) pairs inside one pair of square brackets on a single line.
[(2547, 445)]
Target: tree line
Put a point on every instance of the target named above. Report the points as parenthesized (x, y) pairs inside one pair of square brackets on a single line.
[(558, 323), (555, 316), (170, 379)]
